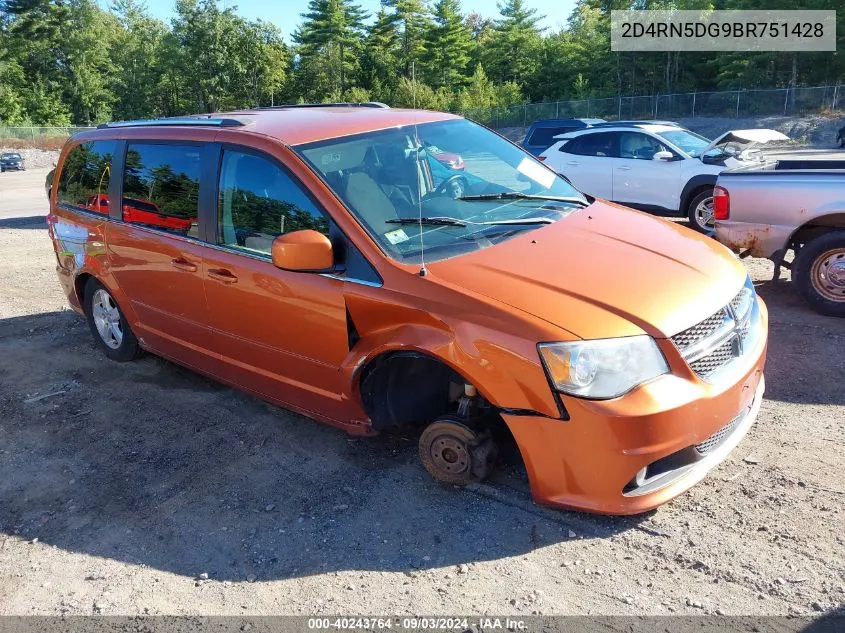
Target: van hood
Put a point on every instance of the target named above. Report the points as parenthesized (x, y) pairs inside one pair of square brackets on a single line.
[(602, 272)]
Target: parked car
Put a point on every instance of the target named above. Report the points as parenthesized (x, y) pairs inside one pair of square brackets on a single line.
[(11, 161), (796, 205), (332, 272), (656, 167), (541, 135), (448, 159)]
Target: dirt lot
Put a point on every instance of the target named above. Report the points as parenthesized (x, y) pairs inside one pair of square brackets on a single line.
[(143, 488)]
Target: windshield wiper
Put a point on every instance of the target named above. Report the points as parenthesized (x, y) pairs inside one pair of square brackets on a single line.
[(518, 195), (430, 221), (446, 221)]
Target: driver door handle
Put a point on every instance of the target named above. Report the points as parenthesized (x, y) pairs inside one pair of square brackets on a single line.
[(624, 168), (223, 275), (183, 264), (572, 162)]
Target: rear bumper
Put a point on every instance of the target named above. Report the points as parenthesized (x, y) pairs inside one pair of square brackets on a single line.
[(763, 240), (632, 454)]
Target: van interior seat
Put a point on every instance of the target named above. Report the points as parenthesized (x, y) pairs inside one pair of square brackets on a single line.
[(370, 201)]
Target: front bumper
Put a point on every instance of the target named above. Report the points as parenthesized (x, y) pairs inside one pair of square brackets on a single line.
[(634, 453), (13, 167)]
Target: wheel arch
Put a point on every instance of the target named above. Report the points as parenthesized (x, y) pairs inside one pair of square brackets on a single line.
[(815, 227), (694, 186), (507, 381)]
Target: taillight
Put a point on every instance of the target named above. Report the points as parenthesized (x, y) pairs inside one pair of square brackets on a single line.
[(721, 204)]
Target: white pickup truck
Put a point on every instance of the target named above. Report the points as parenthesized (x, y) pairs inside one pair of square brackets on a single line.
[(791, 204)]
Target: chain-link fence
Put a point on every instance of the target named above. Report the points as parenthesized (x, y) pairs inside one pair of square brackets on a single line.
[(733, 103), (44, 137)]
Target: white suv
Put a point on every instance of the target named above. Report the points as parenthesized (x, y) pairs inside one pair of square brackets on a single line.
[(654, 166)]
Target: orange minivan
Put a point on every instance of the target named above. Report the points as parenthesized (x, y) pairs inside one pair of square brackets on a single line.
[(324, 259)]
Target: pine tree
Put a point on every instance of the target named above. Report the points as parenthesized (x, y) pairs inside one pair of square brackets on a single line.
[(448, 46), (333, 29), (380, 64), (514, 51), (411, 20)]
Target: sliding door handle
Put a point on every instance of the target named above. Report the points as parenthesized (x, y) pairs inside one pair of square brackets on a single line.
[(223, 275)]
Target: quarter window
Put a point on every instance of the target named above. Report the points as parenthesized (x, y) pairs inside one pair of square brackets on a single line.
[(84, 181), (161, 186), (258, 201)]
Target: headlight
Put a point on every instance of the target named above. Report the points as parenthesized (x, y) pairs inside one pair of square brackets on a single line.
[(604, 368)]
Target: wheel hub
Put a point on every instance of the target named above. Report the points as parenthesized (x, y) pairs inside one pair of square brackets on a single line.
[(704, 212), (107, 319), (450, 455), (828, 275)]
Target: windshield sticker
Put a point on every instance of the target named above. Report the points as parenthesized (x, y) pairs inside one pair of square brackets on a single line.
[(396, 237), (330, 159), (536, 172)]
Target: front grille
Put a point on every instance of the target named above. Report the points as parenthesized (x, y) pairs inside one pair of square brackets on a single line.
[(714, 440), (702, 330), (721, 338), (715, 360)]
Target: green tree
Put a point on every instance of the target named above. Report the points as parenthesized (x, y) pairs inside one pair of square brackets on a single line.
[(333, 30), (380, 64), (514, 53), (411, 20), (448, 46)]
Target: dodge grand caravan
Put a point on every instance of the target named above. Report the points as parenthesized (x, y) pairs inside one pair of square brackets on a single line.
[(323, 259)]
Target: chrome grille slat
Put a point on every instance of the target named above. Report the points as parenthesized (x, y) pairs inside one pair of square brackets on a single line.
[(714, 440), (715, 360), (700, 331), (718, 340)]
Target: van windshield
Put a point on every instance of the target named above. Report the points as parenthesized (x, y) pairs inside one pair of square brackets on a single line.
[(472, 188)]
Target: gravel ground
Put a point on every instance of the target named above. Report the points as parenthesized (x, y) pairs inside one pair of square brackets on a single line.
[(143, 488)]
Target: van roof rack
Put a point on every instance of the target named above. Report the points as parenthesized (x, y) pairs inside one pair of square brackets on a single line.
[(342, 104), (198, 120)]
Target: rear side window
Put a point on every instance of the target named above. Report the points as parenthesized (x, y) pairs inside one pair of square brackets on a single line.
[(161, 186), (602, 145), (84, 181), (259, 201), (546, 135)]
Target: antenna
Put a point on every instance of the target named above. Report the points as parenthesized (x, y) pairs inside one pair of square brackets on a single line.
[(423, 270)]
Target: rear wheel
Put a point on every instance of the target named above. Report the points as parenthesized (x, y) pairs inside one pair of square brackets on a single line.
[(819, 271), (108, 325), (700, 212), (453, 453)]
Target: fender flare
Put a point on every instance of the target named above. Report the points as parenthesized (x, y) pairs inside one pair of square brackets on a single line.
[(696, 182)]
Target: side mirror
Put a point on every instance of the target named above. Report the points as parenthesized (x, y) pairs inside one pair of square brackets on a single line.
[(303, 251), (663, 155)]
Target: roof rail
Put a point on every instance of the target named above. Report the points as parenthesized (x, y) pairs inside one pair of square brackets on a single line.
[(198, 120), (344, 104), (635, 123)]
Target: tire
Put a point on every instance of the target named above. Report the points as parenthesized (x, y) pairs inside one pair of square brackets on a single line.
[(108, 325), (697, 220), (819, 271), (455, 454)]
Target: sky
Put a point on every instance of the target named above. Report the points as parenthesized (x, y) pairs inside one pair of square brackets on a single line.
[(286, 13)]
